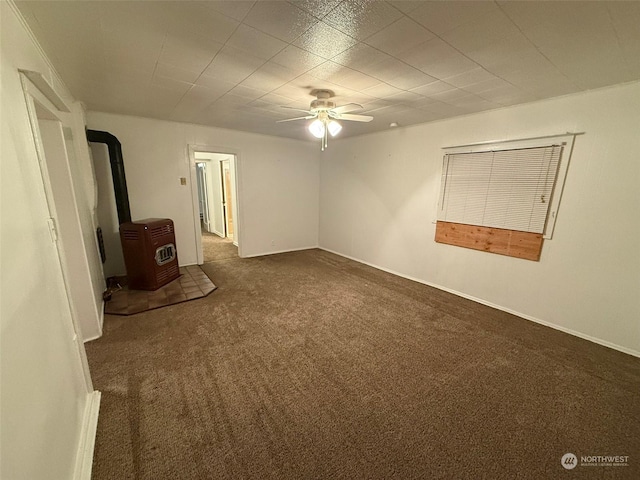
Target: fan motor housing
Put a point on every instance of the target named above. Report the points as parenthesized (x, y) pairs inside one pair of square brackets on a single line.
[(322, 104)]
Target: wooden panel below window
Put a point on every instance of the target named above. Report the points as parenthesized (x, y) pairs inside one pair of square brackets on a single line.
[(494, 240)]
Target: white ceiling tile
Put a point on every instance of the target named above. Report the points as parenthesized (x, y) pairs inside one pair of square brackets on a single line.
[(202, 95), (131, 16), (174, 86), (141, 58), (297, 93), (255, 42), (126, 49), (407, 6), (317, 8), (361, 18), (176, 73), (386, 110), (341, 75), (232, 65), (382, 90), (406, 98), (193, 102), (500, 92), (440, 17), (231, 101), (269, 77), (444, 109), (231, 8), (247, 92), (213, 85), (578, 13), (195, 17), (361, 57), (451, 96), (127, 60), (280, 19), (625, 18), (163, 99), (264, 105), (277, 99), (191, 53), (346, 95), (413, 116), (489, 28), (433, 88), (325, 41), (470, 77), (297, 59), (502, 52), (301, 87), (438, 59), (399, 36), (399, 74), (486, 85)]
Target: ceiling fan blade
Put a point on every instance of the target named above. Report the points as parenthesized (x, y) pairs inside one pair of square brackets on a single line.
[(296, 109), (355, 118), (297, 118), (349, 107)]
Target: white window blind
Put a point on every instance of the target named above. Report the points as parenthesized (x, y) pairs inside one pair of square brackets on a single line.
[(510, 189)]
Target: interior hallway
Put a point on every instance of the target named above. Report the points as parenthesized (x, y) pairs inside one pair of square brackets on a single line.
[(217, 248)]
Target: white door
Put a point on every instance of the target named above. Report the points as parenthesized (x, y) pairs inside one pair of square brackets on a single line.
[(216, 197), (202, 195), (67, 224)]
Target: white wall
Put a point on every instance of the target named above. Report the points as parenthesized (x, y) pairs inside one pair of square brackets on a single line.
[(45, 395), (278, 181), (107, 211), (378, 201)]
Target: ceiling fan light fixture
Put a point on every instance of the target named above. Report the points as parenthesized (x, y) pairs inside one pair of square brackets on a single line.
[(317, 128), (334, 128)]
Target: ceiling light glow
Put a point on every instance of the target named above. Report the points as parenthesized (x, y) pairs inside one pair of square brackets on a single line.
[(334, 128), (317, 128)]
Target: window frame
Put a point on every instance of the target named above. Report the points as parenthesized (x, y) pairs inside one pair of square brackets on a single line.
[(565, 140)]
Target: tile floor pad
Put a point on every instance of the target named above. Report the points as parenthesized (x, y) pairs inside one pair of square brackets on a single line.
[(193, 283)]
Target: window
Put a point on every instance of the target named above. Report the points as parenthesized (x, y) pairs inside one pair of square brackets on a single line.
[(502, 197)]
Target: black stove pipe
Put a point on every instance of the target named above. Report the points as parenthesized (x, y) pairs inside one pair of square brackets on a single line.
[(117, 171)]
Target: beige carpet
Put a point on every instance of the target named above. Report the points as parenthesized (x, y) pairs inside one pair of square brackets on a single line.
[(309, 366), (217, 248)]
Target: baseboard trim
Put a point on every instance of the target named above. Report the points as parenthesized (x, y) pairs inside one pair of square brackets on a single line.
[(84, 458), (570, 331), (101, 325), (280, 251)]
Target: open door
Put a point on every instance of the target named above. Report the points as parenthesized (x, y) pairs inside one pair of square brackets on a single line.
[(228, 197), (216, 197), (203, 202)]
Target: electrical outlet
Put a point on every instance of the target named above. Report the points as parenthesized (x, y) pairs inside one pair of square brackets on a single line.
[(273, 243), (183, 180)]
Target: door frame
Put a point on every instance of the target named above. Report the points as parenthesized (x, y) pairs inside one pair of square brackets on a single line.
[(215, 195), (56, 110), (237, 201)]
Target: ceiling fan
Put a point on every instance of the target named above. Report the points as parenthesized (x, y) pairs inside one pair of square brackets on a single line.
[(326, 115)]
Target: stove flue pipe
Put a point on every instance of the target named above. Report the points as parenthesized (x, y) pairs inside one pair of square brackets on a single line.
[(117, 171)]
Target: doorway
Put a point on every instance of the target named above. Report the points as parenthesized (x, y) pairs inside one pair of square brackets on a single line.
[(216, 201), (49, 119)]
